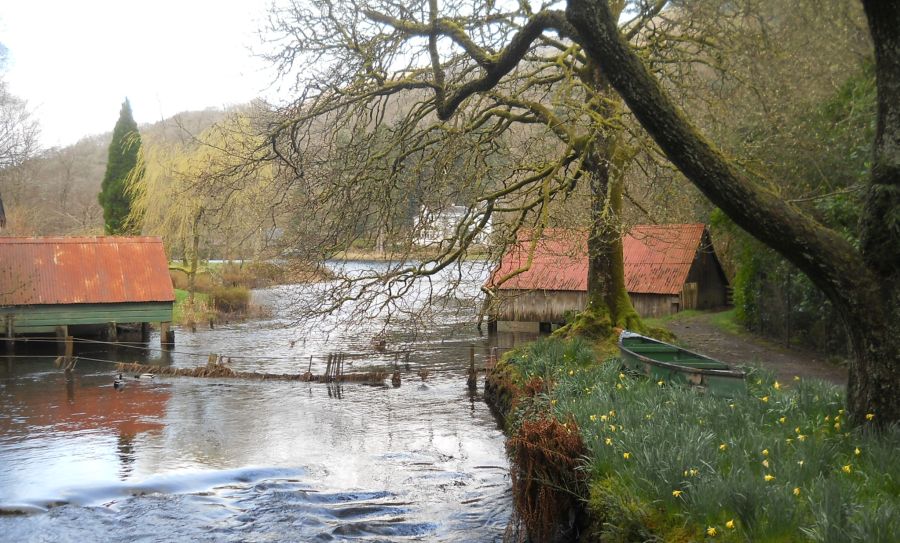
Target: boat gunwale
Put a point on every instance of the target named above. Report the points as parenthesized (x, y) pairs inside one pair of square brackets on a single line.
[(677, 367)]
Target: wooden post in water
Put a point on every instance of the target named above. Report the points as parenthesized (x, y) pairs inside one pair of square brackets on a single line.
[(61, 333), (166, 336), (112, 332), (472, 381), (328, 367), (68, 358), (10, 335), (145, 332)]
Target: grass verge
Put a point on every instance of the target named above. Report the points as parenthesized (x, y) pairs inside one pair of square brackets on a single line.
[(672, 464)]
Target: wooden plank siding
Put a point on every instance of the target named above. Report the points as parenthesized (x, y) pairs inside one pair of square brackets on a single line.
[(538, 305), (655, 305), (45, 318)]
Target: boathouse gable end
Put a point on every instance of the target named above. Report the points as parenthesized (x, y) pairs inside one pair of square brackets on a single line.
[(668, 268), (48, 284)]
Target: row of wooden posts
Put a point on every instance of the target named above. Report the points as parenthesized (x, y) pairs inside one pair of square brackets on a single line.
[(166, 335), (334, 368)]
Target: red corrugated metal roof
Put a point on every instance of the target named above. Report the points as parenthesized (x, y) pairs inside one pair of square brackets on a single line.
[(83, 270), (657, 259)]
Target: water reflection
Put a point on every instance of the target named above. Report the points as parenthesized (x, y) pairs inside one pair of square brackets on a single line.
[(237, 460)]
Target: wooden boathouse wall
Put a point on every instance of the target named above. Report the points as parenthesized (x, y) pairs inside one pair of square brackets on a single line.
[(39, 319)]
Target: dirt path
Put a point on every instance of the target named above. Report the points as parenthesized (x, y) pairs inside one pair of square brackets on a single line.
[(699, 334)]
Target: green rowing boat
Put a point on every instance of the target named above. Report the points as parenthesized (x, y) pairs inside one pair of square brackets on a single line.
[(671, 364)]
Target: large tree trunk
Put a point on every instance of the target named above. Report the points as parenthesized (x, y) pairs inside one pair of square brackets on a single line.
[(857, 288), (608, 304), (607, 297), (875, 384)]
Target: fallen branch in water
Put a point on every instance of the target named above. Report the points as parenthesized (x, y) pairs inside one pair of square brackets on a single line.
[(221, 371)]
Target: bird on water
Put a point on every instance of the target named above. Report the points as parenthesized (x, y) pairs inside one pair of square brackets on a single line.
[(119, 382)]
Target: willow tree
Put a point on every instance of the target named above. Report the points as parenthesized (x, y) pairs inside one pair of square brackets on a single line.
[(406, 108), (195, 191)]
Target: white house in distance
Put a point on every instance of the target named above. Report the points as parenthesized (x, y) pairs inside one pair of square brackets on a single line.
[(436, 226)]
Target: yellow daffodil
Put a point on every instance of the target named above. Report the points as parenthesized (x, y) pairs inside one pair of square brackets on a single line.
[(593, 418), (619, 386), (677, 493), (608, 441), (621, 376), (841, 411), (723, 446), (847, 469), (801, 437), (603, 418), (765, 399), (694, 472), (711, 531), (856, 451), (827, 418), (553, 402), (796, 378), (648, 416), (870, 416), (789, 440), (571, 373), (797, 430), (730, 525), (626, 455), (612, 427), (660, 383), (765, 452), (765, 462), (796, 491), (768, 477), (800, 463), (837, 426), (731, 405), (776, 385), (782, 420), (612, 413)]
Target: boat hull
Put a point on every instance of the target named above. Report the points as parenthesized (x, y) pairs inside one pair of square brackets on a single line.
[(661, 361)]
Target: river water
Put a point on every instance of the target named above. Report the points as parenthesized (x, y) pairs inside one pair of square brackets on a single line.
[(233, 460)]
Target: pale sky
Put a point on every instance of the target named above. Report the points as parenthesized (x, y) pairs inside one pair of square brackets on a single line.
[(75, 61)]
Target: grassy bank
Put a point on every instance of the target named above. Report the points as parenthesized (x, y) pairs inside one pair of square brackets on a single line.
[(671, 464)]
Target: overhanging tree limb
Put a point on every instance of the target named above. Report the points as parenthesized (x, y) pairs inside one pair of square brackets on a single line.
[(768, 217)]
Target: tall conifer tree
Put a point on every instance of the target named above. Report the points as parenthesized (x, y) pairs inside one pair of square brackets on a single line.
[(123, 152)]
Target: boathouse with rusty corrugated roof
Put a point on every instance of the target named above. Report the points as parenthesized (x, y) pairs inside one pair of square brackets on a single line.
[(66, 285), (668, 268)]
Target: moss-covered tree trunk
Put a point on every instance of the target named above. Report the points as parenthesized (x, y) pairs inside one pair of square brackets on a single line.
[(874, 385), (608, 305), (862, 284)]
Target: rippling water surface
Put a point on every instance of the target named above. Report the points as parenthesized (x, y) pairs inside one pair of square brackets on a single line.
[(235, 460)]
